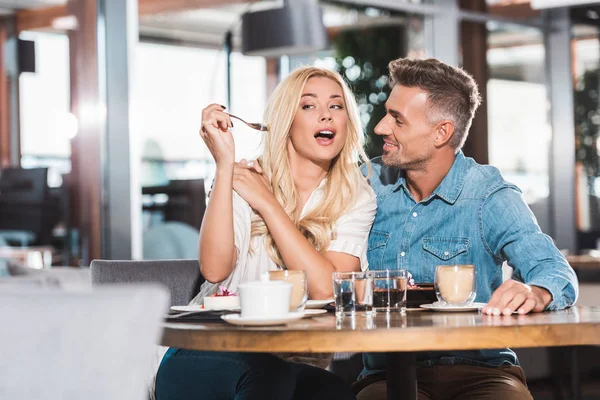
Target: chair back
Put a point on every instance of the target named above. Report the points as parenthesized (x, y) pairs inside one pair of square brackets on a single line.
[(79, 345), (24, 202), (181, 277), (170, 241)]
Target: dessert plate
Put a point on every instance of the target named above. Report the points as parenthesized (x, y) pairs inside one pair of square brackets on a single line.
[(236, 319), (312, 313), (197, 308), (437, 306), (312, 304)]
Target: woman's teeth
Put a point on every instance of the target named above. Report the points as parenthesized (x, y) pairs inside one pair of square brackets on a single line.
[(325, 134)]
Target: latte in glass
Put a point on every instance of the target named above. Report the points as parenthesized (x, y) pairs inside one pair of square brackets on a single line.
[(455, 284)]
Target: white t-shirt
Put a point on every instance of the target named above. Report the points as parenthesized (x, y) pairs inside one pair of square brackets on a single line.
[(351, 235)]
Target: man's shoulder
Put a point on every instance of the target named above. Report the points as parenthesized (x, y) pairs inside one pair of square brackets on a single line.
[(483, 180)]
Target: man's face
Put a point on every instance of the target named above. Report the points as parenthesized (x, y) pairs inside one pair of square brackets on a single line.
[(407, 133)]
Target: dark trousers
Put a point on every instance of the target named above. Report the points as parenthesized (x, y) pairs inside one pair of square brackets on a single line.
[(457, 382), (195, 375)]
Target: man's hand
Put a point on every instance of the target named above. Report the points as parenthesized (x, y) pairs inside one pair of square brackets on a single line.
[(516, 296)]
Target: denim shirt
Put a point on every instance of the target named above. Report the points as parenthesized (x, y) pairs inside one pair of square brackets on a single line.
[(473, 217)]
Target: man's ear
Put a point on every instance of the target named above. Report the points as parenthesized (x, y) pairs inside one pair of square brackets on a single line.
[(444, 133)]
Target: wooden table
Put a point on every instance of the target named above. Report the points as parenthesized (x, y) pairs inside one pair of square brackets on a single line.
[(401, 336), (581, 262)]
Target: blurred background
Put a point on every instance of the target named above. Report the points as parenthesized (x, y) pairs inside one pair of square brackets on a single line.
[(100, 106)]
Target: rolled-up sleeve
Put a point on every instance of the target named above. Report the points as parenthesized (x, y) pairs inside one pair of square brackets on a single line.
[(511, 233), (352, 229)]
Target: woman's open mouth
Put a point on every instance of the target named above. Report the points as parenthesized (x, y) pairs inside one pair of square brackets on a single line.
[(325, 137)]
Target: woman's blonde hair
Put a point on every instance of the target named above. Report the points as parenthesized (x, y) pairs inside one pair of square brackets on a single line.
[(344, 179)]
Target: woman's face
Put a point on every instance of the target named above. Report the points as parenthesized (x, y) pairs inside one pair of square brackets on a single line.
[(320, 127)]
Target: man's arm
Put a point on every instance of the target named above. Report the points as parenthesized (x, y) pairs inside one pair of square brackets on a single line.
[(543, 279)]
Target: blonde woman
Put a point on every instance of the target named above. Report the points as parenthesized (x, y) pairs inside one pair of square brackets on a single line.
[(304, 205)]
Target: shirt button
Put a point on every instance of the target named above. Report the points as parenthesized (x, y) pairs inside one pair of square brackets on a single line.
[(415, 214), (402, 254), (446, 253)]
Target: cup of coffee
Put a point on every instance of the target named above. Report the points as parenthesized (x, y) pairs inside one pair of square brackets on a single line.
[(265, 299), (455, 284), (299, 286)]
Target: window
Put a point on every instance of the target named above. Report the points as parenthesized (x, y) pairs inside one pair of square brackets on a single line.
[(170, 87), (46, 123), (519, 137)]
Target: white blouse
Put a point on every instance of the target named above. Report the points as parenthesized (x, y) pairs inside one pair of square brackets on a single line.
[(351, 235), (352, 232)]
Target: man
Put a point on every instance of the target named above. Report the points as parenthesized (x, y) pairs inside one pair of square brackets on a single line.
[(436, 207)]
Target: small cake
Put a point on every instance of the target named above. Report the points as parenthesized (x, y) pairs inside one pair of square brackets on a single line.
[(222, 300)]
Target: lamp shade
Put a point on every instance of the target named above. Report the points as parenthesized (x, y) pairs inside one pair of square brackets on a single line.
[(295, 28)]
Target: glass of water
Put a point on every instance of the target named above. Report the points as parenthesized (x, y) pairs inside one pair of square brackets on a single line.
[(353, 293), (389, 290)]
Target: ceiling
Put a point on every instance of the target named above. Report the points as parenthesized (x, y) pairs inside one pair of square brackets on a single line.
[(6, 6), (207, 27)]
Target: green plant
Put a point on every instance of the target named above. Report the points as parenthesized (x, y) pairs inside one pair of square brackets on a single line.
[(587, 125), (362, 57)]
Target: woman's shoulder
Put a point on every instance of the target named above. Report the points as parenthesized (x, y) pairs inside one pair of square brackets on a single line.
[(366, 200), (366, 194)]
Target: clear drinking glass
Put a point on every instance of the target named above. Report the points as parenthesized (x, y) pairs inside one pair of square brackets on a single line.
[(389, 290), (455, 284), (353, 293), (299, 286)]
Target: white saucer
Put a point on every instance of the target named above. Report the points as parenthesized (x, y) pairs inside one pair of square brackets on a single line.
[(236, 319), (197, 308), (318, 303), (312, 313), (437, 306)]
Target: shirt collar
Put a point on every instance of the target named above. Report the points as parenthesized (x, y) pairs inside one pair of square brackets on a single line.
[(451, 186), (314, 198), (453, 182)]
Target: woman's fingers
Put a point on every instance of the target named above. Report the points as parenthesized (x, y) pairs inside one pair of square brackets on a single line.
[(213, 116), (257, 166)]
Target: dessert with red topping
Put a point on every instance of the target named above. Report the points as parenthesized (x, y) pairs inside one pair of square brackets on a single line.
[(222, 300)]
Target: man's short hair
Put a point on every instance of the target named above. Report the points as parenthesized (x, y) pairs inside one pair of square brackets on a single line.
[(451, 92)]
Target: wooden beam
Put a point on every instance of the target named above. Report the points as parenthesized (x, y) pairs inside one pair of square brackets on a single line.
[(28, 20), (514, 10), (272, 75), (474, 50), (151, 7), (42, 18), (86, 163), (5, 156)]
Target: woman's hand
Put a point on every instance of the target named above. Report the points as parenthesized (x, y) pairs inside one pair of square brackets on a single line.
[(250, 183), (215, 133)]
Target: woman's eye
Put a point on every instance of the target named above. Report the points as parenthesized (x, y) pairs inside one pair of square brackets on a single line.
[(337, 107), (307, 106)]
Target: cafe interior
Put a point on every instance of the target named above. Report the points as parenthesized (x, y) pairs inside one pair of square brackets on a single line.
[(104, 179)]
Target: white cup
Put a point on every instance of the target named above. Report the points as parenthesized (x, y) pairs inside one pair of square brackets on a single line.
[(265, 299)]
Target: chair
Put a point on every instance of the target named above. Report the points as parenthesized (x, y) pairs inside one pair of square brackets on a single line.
[(186, 201), (26, 210), (181, 277), (170, 241), (71, 346)]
